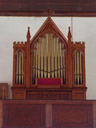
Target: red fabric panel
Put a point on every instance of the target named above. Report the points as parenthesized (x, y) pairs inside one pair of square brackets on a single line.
[(49, 81)]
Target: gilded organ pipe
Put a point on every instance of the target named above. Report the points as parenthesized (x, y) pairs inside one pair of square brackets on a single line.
[(36, 59), (45, 56), (81, 69), (75, 76), (52, 55), (17, 68), (55, 58), (48, 55), (41, 57), (77, 67), (61, 58), (22, 69), (58, 59)]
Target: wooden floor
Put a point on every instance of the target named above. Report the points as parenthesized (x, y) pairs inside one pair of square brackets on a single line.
[(47, 114)]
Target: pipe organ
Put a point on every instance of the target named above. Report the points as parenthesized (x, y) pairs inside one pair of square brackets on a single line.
[(49, 66)]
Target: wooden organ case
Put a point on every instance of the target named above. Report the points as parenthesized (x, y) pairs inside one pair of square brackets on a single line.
[(49, 67)]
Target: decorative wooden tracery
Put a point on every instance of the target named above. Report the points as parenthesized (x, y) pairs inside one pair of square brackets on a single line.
[(49, 66)]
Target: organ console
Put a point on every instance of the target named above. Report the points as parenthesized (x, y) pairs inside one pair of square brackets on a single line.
[(49, 66)]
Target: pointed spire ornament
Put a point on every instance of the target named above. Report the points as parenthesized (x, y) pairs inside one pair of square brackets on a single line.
[(28, 34), (69, 34)]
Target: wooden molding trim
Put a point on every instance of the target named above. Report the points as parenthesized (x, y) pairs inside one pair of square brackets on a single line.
[(83, 8)]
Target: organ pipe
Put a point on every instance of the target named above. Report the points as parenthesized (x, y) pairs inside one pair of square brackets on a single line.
[(45, 56), (55, 58), (58, 56), (41, 57), (52, 55), (36, 59), (61, 59), (49, 55)]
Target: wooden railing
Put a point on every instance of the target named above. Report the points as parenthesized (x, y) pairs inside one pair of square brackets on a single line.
[(47, 114)]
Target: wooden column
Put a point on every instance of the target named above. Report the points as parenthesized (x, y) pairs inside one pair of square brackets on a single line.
[(48, 115), (84, 74), (14, 64), (28, 60), (69, 60)]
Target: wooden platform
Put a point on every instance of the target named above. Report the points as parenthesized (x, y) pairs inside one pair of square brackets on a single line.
[(47, 114), (61, 93)]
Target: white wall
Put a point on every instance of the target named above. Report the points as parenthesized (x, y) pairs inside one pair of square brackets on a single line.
[(15, 29)]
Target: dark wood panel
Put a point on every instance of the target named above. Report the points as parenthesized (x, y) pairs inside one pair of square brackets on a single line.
[(43, 95), (78, 94), (18, 93), (40, 7), (24, 116), (72, 116), (0, 114)]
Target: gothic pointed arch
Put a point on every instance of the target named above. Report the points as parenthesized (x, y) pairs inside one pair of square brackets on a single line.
[(48, 48), (49, 26)]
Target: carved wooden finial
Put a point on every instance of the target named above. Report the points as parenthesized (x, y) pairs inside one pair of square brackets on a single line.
[(69, 34), (28, 34)]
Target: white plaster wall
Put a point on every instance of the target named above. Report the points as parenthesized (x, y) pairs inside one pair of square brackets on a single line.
[(15, 29)]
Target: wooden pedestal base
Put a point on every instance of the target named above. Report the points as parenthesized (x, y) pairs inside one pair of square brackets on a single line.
[(49, 94)]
